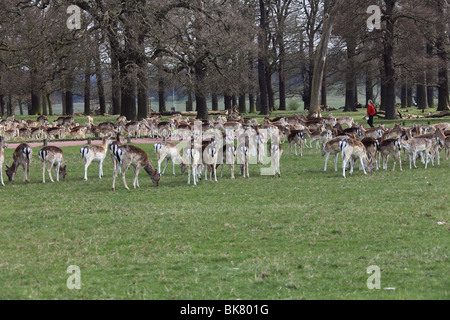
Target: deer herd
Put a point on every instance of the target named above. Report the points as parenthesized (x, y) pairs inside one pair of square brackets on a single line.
[(207, 144)]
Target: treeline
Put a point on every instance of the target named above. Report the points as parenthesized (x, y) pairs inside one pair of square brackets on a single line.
[(259, 52)]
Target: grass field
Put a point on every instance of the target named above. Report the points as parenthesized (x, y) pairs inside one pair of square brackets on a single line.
[(307, 235)]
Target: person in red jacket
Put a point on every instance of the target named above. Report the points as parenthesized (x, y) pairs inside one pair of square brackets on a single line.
[(370, 113)]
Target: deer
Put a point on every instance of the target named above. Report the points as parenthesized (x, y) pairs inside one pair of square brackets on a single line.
[(96, 154), (210, 156), (333, 147), (3, 145), (296, 137), (129, 155), (390, 147), (372, 146), (192, 156), (52, 157), (22, 156), (354, 149), (415, 145), (167, 150), (112, 149), (275, 154)]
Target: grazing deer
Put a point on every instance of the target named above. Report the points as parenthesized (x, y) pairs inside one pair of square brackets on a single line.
[(52, 157), (354, 149), (167, 150), (95, 153), (333, 147), (3, 145), (372, 146), (390, 147), (21, 156), (129, 155)]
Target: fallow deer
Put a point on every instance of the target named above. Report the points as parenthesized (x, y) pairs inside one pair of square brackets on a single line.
[(129, 155), (390, 147), (52, 157), (93, 153), (333, 147), (354, 149), (21, 156), (168, 150), (414, 146)]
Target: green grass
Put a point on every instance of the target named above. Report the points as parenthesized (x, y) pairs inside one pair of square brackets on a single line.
[(307, 235)]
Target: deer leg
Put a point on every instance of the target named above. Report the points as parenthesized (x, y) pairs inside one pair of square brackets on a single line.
[(124, 170), (43, 172)]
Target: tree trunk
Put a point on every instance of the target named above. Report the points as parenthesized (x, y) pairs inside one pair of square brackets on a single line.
[(227, 102), (189, 103), (214, 102), (320, 60), (270, 94), (100, 88), (200, 96), (264, 107), (44, 104), (403, 95), (409, 96), (161, 95), (323, 100), (281, 75), (87, 88), (350, 76), (49, 103), (69, 96), (443, 93), (421, 92), (35, 96), (429, 75), (2, 105), (242, 107), (369, 88), (388, 58)]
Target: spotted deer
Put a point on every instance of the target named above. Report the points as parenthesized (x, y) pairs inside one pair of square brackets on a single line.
[(414, 146), (52, 157), (21, 156), (333, 147), (390, 147), (93, 153), (129, 155), (167, 150), (354, 149)]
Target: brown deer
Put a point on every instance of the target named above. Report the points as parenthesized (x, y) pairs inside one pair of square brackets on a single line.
[(52, 157), (21, 156), (95, 153), (129, 155)]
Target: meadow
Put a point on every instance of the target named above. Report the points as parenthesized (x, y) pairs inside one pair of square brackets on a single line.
[(307, 235)]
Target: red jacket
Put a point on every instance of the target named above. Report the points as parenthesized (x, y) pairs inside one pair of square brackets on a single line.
[(370, 110)]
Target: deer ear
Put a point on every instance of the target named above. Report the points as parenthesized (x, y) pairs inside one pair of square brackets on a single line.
[(7, 168)]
